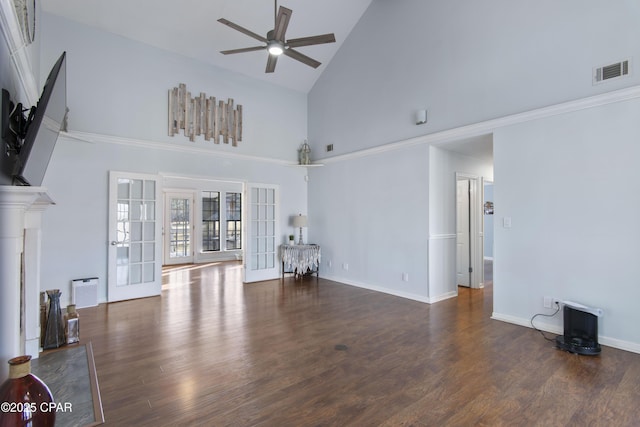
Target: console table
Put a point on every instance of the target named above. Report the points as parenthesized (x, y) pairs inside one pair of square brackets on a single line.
[(300, 259)]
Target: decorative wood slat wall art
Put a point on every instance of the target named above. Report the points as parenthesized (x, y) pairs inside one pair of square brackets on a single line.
[(204, 116)]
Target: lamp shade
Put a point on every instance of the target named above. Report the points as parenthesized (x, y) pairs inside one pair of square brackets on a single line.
[(300, 221)]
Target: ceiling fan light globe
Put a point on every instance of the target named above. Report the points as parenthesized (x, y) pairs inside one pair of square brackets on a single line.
[(275, 48)]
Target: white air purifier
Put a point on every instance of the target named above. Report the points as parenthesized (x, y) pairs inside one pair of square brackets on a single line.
[(84, 292)]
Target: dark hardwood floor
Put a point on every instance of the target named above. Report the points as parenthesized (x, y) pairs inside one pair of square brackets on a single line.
[(214, 352)]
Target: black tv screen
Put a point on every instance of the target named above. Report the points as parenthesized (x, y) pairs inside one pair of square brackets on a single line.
[(44, 127)]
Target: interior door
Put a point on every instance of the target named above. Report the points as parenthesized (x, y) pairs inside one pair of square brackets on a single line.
[(477, 218), (463, 231), (178, 228), (134, 255), (261, 260)]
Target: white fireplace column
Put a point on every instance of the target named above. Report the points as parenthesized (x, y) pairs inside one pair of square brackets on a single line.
[(20, 213)]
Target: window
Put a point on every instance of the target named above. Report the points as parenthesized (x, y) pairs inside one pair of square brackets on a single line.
[(234, 221), (210, 221)]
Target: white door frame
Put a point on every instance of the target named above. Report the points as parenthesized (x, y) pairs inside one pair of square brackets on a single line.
[(463, 232), (476, 237)]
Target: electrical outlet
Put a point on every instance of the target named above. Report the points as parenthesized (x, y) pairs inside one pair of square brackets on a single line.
[(405, 277), (555, 303), (548, 301), (345, 266)]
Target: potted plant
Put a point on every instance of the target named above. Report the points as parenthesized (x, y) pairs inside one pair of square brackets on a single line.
[(291, 239)]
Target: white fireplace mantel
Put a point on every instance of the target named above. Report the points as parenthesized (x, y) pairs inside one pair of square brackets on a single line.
[(20, 235)]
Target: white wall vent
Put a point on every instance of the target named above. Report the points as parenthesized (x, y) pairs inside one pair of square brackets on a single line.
[(85, 292), (611, 71)]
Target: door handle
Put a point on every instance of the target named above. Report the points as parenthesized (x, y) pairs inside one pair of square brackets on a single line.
[(113, 243)]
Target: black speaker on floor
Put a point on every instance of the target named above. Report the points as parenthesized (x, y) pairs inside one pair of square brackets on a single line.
[(580, 329)]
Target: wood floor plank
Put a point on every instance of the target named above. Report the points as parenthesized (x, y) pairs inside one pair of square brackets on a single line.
[(311, 352)]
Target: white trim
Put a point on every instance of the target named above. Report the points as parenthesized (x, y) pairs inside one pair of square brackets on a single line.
[(558, 330), (441, 236), (17, 49), (197, 181), (407, 295), (443, 297), (96, 138), (489, 126)]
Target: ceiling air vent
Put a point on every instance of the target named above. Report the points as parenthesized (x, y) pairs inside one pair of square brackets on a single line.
[(611, 71)]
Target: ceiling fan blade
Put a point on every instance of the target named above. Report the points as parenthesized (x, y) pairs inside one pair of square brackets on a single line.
[(271, 64), (308, 41), (245, 49), (282, 22), (242, 30), (302, 58)]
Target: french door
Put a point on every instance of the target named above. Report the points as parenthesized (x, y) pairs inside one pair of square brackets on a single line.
[(261, 260), (134, 254), (179, 228)]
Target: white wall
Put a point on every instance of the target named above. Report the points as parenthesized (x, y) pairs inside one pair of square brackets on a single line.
[(569, 183), (466, 62), (118, 92), (371, 212), (389, 213), (119, 87)]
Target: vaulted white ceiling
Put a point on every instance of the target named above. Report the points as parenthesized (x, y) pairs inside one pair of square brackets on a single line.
[(190, 28)]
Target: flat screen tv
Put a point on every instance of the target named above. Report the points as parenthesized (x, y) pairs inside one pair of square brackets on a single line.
[(44, 125)]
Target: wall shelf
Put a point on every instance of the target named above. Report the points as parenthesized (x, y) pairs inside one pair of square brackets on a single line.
[(312, 165)]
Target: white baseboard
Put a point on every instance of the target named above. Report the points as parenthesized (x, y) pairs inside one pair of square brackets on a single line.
[(558, 330), (443, 297), (408, 295)]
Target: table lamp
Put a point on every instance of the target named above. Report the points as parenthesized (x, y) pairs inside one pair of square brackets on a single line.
[(300, 221)]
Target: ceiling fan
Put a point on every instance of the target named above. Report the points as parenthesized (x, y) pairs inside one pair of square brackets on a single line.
[(275, 42)]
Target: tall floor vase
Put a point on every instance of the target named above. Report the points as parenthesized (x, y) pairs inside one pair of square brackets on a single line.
[(25, 398), (54, 336)]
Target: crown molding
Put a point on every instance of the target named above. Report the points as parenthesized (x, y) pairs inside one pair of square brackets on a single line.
[(17, 50), (490, 126), (95, 138)]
